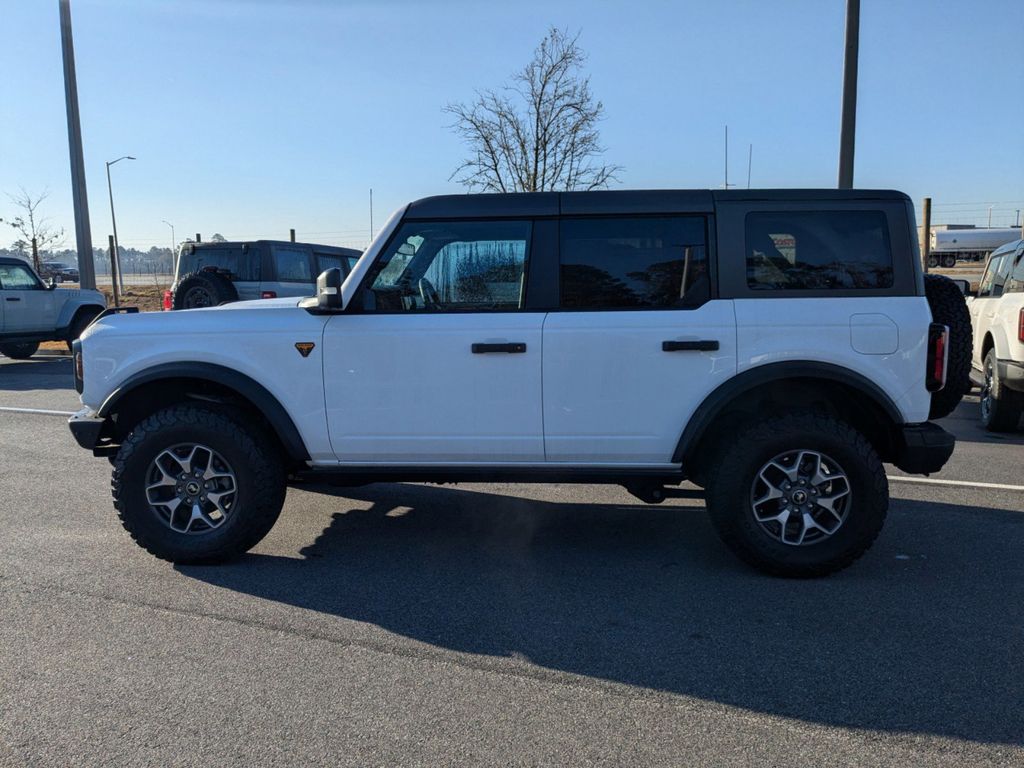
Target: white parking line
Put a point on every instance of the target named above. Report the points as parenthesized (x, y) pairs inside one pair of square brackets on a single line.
[(42, 411), (961, 483)]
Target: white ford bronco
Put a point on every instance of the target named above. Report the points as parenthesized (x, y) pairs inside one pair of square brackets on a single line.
[(32, 311), (997, 314), (772, 347)]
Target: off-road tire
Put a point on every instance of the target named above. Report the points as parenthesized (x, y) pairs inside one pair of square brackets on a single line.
[(731, 480), (81, 322), (19, 351), (1001, 407), (203, 289), (251, 452), (950, 308)]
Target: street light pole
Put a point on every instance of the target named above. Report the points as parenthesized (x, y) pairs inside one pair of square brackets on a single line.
[(83, 237), (173, 246), (848, 119), (113, 220)]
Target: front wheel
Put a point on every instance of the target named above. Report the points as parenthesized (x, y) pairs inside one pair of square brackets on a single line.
[(194, 484), (800, 494), (21, 351)]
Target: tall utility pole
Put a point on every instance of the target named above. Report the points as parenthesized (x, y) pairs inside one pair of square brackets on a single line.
[(113, 221), (848, 120), (83, 237), (173, 245), (926, 232), (750, 162), (371, 214)]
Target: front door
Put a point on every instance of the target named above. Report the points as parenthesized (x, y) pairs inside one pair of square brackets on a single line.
[(437, 363), (637, 344), (990, 289), (28, 304)]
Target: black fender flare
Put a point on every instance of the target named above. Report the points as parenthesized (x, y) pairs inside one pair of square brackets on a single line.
[(245, 386), (715, 403)]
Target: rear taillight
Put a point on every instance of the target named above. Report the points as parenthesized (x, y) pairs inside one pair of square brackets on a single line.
[(938, 356), (76, 353), (168, 301), (1020, 326), (268, 295)]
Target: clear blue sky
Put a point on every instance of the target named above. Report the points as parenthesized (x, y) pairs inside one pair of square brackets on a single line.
[(252, 116)]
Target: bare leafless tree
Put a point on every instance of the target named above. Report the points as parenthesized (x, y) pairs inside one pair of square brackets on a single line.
[(32, 225), (540, 132)]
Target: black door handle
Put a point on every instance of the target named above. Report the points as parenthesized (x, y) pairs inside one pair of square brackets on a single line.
[(14, 298), (512, 347), (703, 345)]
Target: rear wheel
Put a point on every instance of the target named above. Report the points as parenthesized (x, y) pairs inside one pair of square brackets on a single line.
[(1000, 407), (800, 494), (203, 289), (20, 351), (194, 484)]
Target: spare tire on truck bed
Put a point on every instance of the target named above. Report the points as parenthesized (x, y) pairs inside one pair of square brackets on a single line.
[(950, 308), (204, 288)]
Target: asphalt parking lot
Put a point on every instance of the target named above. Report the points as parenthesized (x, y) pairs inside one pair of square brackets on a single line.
[(500, 625)]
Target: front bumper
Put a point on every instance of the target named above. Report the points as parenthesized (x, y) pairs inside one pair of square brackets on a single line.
[(923, 448), (85, 426)]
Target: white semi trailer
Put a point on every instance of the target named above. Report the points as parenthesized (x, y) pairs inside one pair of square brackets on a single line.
[(950, 245)]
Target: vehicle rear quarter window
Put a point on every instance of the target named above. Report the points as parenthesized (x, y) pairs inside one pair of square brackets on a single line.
[(292, 264), (633, 262), (818, 250), (242, 266), (1016, 282)]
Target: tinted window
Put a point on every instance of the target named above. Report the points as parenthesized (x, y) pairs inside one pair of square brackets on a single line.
[(15, 277), (325, 261), (989, 281), (452, 265), (616, 263), (818, 250), (1016, 282), (242, 266), (292, 264)]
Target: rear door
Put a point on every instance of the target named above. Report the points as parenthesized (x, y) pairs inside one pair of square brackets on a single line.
[(292, 271), (29, 306), (637, 341), (439, 362)]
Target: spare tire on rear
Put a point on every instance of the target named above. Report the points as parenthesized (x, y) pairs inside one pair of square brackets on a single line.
[(950, 308), (203, 289)]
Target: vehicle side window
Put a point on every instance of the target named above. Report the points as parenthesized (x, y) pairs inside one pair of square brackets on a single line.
[(818, 250), (451, 266), (1001, 275), (325, 261), (15, 277), (1016, 283), (242, 266), (633, 262), (986, 287), (292, 265)]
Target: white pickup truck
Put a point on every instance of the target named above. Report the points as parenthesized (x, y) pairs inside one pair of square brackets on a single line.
[(32, 311), (774, 347)]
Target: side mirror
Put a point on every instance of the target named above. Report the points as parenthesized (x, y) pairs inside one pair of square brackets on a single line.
[(328, 289), (53, 283)]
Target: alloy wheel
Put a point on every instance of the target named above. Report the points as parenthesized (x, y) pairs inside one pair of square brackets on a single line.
[(191, 488)]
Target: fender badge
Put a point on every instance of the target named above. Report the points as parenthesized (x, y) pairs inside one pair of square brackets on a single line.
[(304, 347)]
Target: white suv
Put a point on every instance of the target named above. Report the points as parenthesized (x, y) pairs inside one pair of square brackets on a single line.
[(32, 311), (997, 316), (774, 347)]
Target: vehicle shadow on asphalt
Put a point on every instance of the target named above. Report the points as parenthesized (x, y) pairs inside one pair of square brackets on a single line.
[(46, 373), (923, 635)]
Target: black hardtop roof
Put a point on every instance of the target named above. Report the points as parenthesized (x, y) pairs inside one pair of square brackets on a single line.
[(622, 201), (318, 246)]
